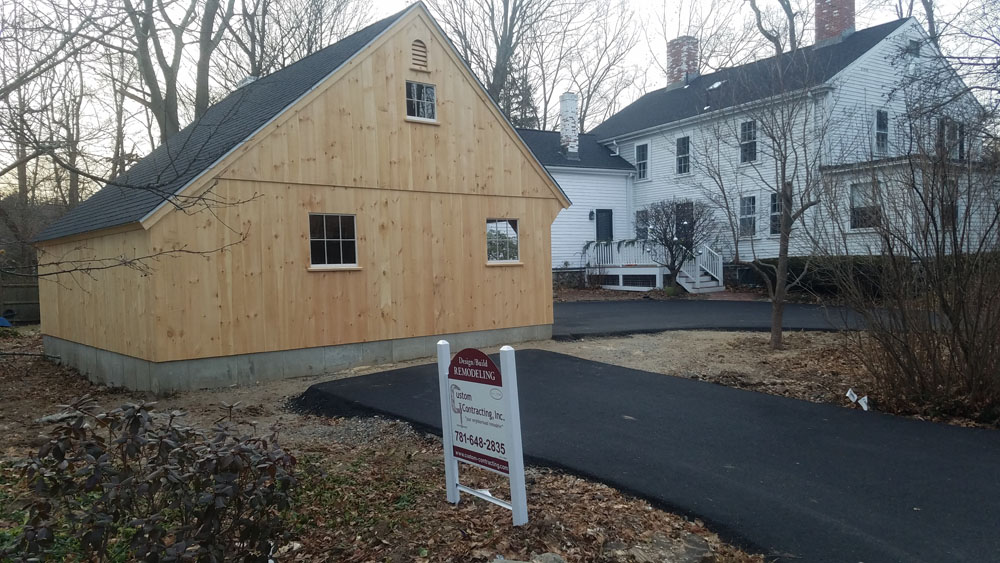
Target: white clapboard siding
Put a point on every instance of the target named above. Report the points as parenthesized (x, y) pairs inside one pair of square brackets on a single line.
[(588, 189)]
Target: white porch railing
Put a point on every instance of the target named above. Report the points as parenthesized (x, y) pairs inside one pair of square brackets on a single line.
[(619, 254)]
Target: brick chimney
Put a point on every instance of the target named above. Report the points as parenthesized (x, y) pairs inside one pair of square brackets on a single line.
[(682, 59), (569, 125), (834, 19)]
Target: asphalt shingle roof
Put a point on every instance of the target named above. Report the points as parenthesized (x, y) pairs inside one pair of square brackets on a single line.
[(807, 67), (191, 151), (547, 149)]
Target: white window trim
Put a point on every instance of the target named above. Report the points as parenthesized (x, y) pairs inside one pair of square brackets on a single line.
[(677, 156), (406, 100), (636, 157), (881, 151), (756, 231), (756, 143), (493, 262), (850, 209), (333, 267)]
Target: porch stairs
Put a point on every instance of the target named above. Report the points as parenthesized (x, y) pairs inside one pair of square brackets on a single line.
[(702, 273)]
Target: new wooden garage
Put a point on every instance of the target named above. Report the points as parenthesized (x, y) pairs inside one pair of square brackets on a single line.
[(349, 209)]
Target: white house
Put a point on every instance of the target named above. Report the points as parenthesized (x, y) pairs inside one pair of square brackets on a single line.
[(843, 102)]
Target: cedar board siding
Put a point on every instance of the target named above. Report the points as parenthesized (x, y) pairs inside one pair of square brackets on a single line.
[(421, 193), (107, 308)]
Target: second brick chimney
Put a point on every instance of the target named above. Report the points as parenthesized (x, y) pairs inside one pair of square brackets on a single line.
[(834, 18), (682, 59)]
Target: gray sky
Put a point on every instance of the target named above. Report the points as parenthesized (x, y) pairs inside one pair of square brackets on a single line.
[(869, 14)]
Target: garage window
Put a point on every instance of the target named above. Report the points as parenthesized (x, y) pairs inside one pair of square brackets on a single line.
[(501, 240), (421, 101), (332, 240)]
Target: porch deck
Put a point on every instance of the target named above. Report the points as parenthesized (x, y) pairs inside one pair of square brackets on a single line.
[(630, 266)]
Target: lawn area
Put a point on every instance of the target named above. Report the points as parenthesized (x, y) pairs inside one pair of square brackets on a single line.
[(370, 489)]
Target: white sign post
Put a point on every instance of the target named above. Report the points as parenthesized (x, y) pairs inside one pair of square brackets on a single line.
[(481, 423)]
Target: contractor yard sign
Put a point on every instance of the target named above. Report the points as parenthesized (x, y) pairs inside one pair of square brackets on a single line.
[(480, 422)]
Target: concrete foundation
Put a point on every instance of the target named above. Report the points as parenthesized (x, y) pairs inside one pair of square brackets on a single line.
[(118, 370)]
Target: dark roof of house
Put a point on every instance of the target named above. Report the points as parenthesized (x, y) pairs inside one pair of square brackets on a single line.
[(194, 149), (547, 149), (806, 67)]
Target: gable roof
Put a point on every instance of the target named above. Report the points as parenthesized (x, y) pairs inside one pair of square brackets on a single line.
[(548, 150), (806, 67), (194, 149)]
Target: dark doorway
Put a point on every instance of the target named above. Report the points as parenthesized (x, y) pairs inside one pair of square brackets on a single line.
[(605, 228)]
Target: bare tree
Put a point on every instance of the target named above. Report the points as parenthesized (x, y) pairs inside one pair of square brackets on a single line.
[(600, 70), (675, 230), (491, 34)]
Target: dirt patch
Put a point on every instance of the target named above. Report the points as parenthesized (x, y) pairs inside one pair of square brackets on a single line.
[(813, 365), (372, 489)]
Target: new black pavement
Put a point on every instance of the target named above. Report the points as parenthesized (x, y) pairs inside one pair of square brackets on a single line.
[(608, 318), (796, 480)]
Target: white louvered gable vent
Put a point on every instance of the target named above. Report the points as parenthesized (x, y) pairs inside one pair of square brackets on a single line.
[(419, 55)]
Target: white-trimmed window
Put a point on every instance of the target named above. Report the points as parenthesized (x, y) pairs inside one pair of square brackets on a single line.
[(502, 240), (881, 132), (683, 155), (748, 216), (333, 240), (421, 101), (775, 227), (642, 224), (748, 141), (865, 211), (642, 161)]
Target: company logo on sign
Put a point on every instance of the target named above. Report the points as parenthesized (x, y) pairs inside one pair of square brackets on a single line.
[(475, 367)]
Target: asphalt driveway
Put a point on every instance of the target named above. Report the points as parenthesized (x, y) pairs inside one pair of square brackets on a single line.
[(609, 318), (796, 480)]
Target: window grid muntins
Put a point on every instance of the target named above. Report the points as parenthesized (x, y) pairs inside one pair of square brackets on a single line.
[(865, 212), (748, 216), (642, 161), (683, 155), (502, 240), (775, 215), (882, 132), (332, 240), (421, 100), (748, 141)]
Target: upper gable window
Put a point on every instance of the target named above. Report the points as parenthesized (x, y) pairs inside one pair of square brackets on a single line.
[(642, 161), (421, 101), (418, 55), (913, 48)]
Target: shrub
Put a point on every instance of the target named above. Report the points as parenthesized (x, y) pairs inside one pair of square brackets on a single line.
[(134, 481), (7, 333)]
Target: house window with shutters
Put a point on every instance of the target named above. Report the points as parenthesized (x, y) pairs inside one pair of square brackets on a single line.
[(748, 142), (865, 211), (748, 216), (881, 132), (683, 155), (642, 224), (642, 161), (775, 227), (418, 55)]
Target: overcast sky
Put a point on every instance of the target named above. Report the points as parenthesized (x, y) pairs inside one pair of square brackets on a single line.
[(649, 10)]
